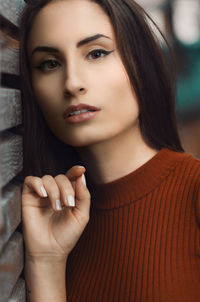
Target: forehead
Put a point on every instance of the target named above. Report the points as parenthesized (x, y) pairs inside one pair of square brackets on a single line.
[(71, 20)]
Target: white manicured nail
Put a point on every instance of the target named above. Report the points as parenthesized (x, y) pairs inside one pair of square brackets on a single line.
[(83, 179), (71, 201), (43, 191), (58, 205)]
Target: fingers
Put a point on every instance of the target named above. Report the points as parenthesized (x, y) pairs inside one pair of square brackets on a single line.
[(67, 194), (58, 190), (68, 190), (34, 184)]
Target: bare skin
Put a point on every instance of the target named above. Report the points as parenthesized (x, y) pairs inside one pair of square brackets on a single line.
[(110, 144), (40, 213), (51, 234)]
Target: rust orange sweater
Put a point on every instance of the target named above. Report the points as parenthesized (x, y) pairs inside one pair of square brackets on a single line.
[(142, 243)]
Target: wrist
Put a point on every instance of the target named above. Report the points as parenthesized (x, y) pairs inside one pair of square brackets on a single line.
[(45, 278), (48, 268), (44, 259)]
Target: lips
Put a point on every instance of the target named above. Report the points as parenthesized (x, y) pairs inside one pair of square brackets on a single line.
[(79, 107)]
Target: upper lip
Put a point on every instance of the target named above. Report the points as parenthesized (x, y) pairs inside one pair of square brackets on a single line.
[(79, 107)]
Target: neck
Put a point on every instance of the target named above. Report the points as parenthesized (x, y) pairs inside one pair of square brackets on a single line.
[(112, 159)]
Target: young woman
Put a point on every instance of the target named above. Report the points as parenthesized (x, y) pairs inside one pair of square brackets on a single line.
[(98, 102)]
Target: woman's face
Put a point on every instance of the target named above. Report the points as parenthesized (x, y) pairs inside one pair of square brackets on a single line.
[(74, 59)]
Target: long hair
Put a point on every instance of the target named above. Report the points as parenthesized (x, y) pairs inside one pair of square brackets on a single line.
[(149, 72)]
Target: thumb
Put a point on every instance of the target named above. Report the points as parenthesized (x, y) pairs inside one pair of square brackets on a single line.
[(82, 194), (75, 172)]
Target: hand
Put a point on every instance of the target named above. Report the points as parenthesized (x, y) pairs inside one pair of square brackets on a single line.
[(52, 229)]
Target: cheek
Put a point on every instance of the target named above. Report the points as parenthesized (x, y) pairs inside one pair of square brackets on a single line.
[(120, 92), (47, 98), (45, 93)]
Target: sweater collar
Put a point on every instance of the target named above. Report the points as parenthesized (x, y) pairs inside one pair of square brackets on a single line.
[(136, 184)]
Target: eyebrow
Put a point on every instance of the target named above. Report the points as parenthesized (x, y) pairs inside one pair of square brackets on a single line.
[(90, 39), (79, 44)]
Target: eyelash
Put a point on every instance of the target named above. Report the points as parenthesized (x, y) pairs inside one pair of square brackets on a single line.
[(101, 51)]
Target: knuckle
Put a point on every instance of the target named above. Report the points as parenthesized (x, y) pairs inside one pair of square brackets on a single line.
[(36, 181), (32, 180), (47, 178), (60, 177), (28, 178)]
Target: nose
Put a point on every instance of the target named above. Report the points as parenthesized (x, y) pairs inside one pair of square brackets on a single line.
[(74, 82)]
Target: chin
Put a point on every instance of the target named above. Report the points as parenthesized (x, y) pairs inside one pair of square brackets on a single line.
[(77, 143), (82, 142)]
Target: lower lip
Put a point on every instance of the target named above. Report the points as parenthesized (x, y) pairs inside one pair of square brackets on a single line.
[(80, 118)]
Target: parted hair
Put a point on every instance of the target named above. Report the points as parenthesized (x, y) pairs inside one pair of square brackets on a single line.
[(150, 71)]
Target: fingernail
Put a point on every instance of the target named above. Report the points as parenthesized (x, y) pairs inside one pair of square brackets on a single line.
[(81, 167), (58, 205), (43, 191), (71, 201), (83, 179)]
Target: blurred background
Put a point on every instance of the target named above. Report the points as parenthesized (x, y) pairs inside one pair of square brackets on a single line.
[(179, 21)]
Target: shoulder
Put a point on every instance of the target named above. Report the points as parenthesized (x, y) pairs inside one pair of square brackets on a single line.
[(187, 171), (185, 174), (188, 166), (190, 171)]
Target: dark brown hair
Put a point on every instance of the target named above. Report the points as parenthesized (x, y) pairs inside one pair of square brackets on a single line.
[(147, 68)]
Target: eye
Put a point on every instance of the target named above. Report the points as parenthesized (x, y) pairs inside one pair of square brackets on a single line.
[(48, 65), (98, 53)]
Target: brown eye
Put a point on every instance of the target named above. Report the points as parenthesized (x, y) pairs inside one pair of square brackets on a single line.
[(98, 53), (48, 65)]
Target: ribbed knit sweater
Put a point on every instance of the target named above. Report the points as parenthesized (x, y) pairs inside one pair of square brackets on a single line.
[(142, 243)]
